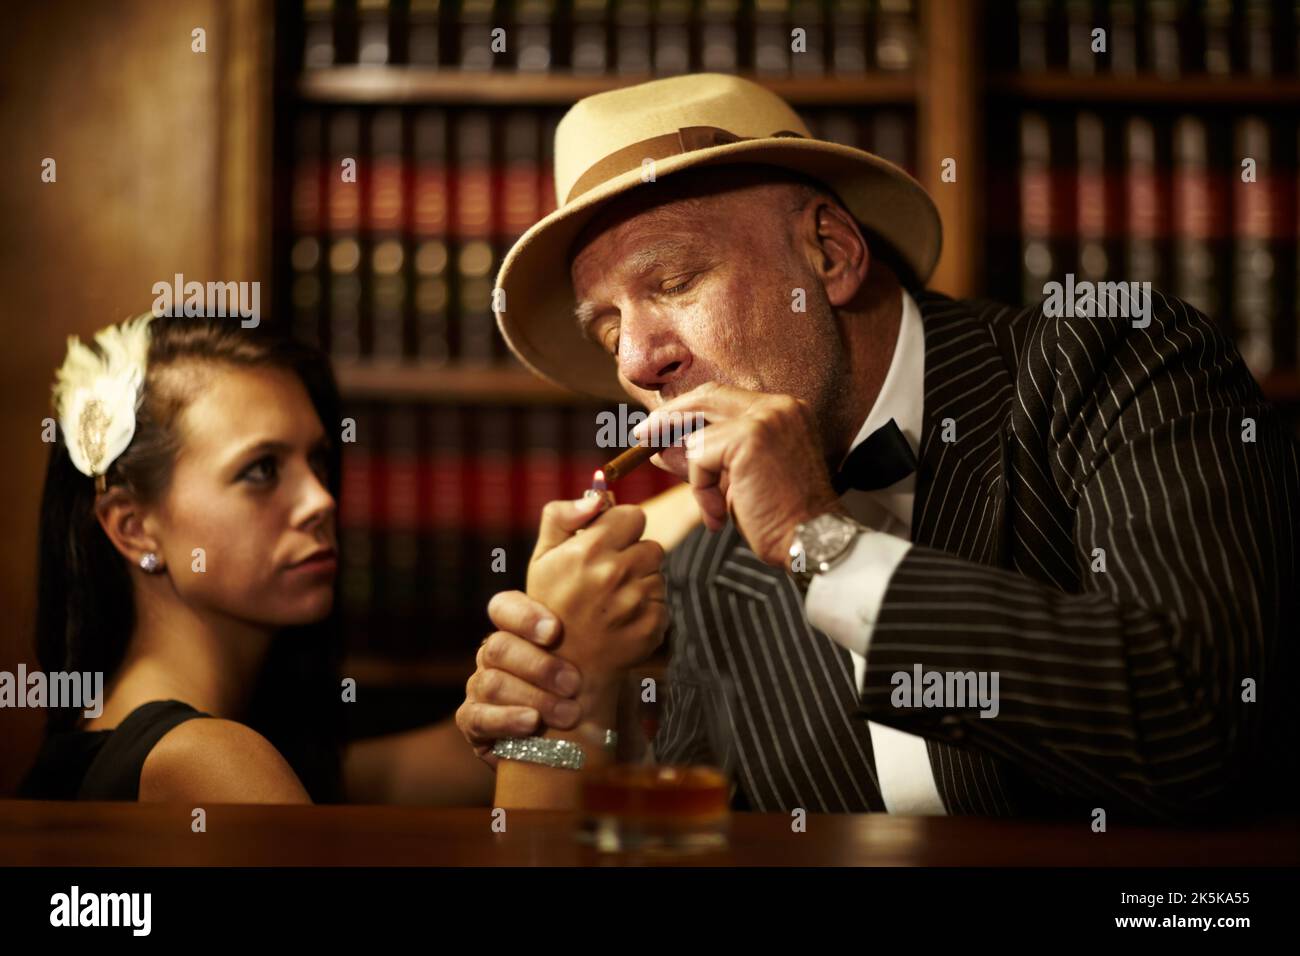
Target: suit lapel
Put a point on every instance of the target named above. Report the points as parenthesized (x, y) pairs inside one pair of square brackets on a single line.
[(961, 485), (962, 491), (798, 743)]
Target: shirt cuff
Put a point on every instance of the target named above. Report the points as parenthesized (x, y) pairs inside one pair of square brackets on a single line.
[(845, 601)]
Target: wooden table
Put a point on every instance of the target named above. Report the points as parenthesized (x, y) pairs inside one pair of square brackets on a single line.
[(35, 833)]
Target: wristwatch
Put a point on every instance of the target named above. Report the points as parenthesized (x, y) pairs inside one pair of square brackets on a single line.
[(821, 543)]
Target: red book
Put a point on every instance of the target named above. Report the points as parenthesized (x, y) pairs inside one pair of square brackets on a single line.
[(443, 501), (543, 478), (318, 34), (307, 175), (1036, 254), (632, 36), (589, 53), (718, 36), (672, 37), (1217, 19), (1199, 220), (1122, 37), (1093, 214), (895, 34), (521, 194), (489, 515), (1255, 205), (892, 138), (422, 34), (474, 229), (532, 43), (476, 35), (1146, 224), (429, 227), (401, 529), (356, 520), (386, 223), (839, 126), (848, 36), (1164, 51), (490, 499), (546, 172), (344, 211), (307, 218), (771, 50), (372, 32)]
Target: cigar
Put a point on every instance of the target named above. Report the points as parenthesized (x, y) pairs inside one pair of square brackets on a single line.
[(638, 455), (628, 461)]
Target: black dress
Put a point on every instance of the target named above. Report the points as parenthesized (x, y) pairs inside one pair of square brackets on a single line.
[(102, 764)]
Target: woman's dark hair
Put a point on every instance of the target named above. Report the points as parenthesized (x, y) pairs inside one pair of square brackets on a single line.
[(85, 613)]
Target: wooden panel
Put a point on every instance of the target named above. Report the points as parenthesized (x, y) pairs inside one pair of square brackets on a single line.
[(452, 383), (948, 127), (131, 834), (1193, 91), (132, 117), (245, 142)]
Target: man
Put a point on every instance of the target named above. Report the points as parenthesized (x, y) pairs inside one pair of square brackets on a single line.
[(1055, 575)]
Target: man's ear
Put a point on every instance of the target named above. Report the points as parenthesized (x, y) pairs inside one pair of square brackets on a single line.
[(840, 255), (124, 521)]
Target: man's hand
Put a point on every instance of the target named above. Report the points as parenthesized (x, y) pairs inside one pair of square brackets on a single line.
[(518, 685), (760, 460)]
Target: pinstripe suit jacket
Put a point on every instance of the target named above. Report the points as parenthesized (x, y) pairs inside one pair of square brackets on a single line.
[(1120, 688)]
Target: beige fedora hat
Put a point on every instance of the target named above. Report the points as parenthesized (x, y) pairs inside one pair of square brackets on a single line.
[(603, 144)]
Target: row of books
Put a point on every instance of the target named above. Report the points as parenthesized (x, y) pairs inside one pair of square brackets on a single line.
[(1204, 207), (400, 220), (1166, 38), (440, 507), (771, 37)]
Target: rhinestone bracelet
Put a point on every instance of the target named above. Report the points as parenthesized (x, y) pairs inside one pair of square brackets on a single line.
[(562, 754)]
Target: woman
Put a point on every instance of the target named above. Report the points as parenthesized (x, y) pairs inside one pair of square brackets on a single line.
[(188, 551)]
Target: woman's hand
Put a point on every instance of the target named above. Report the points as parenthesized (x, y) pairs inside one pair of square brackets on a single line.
[(518, 683), (605, 586)]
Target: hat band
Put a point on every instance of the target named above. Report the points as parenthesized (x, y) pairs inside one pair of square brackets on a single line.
[(685, 140)]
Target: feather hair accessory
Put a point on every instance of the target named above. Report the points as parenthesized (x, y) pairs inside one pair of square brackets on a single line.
[(97, 393)]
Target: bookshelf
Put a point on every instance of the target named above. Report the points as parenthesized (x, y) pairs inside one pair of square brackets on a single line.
[(415, 85), (414, 382), (949, 83), (1248, 91), (1127, 159)]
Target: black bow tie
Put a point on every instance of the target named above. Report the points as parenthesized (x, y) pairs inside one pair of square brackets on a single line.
[(882, 459)]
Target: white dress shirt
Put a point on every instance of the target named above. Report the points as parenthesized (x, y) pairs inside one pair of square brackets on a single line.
[(845, 601)]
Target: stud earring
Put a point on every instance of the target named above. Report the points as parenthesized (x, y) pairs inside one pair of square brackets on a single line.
[(150, 563)]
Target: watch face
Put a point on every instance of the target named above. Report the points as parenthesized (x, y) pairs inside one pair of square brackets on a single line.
[(825, 537)]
